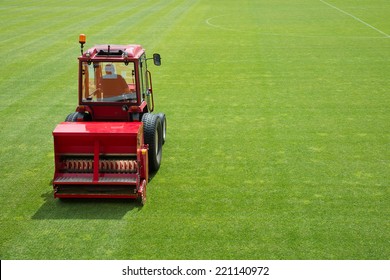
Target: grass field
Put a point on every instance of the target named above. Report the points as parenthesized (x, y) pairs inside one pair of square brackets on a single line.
[(278, 140)]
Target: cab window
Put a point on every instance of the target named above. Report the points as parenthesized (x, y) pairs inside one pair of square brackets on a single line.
[(108, 82)]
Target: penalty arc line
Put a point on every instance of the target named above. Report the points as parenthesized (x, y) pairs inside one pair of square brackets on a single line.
[(356, 18)]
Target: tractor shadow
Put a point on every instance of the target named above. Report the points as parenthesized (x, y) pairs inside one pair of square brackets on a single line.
[(88, 209)]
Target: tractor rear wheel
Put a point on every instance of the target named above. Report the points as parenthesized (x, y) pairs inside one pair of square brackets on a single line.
[(153, 137), (164, 126)]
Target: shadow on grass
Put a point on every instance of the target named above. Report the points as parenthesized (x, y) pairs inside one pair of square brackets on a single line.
[(108, 209)]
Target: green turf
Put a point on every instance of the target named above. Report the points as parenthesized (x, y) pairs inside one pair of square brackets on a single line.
[(278, 130)]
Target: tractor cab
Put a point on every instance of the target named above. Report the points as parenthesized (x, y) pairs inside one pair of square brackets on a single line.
[(114, 83)]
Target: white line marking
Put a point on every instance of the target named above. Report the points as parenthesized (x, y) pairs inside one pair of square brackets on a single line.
[(209, 23), (356, 18)]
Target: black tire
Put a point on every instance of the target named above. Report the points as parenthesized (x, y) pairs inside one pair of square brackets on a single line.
[(164, 126), (72, 117), (153, 137)]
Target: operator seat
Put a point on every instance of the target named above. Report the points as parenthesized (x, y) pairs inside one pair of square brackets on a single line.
[(113, 84)]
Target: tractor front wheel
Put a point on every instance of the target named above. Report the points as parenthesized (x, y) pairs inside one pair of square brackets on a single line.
[(72, 117)]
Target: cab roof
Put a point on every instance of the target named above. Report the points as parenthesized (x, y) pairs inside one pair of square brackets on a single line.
[(114, 51)]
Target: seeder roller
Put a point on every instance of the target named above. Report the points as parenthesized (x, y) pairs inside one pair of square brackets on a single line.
[(85, 165)]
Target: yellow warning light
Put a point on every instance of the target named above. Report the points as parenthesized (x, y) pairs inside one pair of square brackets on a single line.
[(82, 39)]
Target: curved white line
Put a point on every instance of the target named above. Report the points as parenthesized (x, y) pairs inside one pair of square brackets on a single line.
[(218, 26)]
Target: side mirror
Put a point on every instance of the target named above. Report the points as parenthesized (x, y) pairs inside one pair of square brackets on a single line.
[(157, 59)]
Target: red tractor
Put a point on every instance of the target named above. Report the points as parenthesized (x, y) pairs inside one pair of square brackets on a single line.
[(108, 146)]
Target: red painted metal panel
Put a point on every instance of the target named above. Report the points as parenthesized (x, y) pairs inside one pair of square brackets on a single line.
[(97, 128), (113, 137), (110, 112)]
